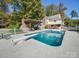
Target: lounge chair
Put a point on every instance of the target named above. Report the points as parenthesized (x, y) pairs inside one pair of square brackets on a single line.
[(5, 36)]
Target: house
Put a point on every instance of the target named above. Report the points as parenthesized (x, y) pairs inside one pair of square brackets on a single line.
[(55, 22)]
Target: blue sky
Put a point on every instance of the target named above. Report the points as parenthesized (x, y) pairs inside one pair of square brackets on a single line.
[(69, 4)]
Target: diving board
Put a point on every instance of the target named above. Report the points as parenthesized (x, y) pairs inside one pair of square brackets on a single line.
[(23, 38)]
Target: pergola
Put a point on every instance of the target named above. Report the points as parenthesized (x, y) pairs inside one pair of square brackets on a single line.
[(3, 23), (32, 22)]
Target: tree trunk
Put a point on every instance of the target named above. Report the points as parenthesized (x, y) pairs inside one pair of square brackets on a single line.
[(24, 27)]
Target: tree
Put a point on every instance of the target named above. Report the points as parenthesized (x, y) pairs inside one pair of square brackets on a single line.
[(67, 21), (31, 9), (15, 20), (51, 10), (61, 9), (21, 9), (4, 16), (4, 5), (74, 13)]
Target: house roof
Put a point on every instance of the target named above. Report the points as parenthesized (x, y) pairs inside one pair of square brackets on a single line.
[(52, 19), (55, 17)]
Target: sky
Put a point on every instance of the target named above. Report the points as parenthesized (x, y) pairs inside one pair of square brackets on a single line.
[(69, 4)]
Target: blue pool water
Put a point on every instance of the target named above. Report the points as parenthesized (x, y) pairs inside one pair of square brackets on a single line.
[(50, 37)]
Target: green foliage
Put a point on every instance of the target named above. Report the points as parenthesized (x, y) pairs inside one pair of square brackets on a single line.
[(3, 5), (74, 22), (67, 21), (51, 10), (61, 9), (74, 13), (3, 14), (31, 9), (70, 22), (14, 21), (46, 26), (56, 9)]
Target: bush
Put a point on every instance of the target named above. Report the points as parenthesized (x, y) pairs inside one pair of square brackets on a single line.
[(46, 26)]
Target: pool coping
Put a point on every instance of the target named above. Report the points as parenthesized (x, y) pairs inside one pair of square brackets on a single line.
[(24, 36)]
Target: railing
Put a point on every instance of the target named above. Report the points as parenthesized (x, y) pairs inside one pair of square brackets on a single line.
[(71, 28), (6, 33)]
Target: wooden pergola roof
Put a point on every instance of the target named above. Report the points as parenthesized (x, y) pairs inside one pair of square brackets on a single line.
[(32, 21), (3, 22)]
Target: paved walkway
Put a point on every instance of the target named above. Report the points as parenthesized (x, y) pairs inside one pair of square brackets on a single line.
[(33, 48)]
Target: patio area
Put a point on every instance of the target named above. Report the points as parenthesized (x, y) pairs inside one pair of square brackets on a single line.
[(33, 48)]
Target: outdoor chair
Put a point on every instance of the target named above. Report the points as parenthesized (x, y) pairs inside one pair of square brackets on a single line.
[(1, 36), (5, 36)]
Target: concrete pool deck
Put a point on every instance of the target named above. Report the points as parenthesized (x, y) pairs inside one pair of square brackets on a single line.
[(36, 49)]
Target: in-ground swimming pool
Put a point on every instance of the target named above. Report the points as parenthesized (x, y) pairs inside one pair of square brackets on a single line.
[(50, 37)]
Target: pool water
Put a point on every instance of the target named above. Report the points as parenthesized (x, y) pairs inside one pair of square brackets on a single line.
[(53, 38)]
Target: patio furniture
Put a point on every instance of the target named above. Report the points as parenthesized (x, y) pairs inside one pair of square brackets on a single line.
[(5, 36), (1, 36)]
